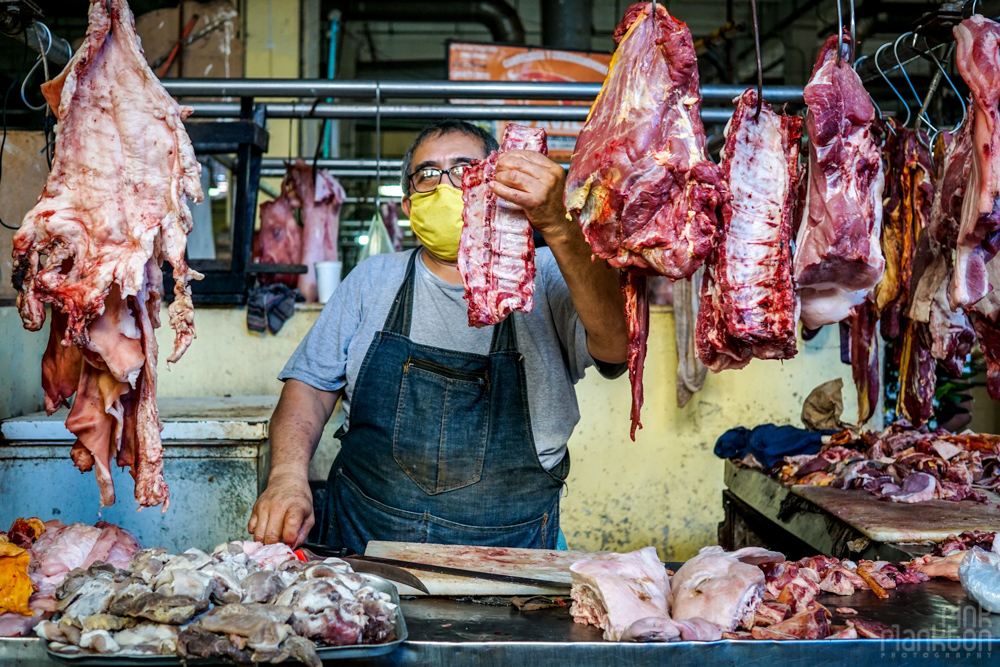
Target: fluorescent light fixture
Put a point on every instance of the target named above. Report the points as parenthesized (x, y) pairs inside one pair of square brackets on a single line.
[(403, 222), (390, 190), (363, 239)]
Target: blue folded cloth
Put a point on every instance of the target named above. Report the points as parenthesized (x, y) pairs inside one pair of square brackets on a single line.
[(768, 443), (269, 306)]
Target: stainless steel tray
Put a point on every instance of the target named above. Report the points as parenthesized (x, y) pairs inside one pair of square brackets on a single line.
[(85, 658)]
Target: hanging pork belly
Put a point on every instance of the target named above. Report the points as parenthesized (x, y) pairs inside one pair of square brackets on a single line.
[(640, 181), (113, 209)]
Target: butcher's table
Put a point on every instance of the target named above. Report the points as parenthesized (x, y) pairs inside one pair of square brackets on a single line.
[(935, 622)]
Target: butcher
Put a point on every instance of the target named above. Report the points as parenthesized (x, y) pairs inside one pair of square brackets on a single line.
[(452, 434)]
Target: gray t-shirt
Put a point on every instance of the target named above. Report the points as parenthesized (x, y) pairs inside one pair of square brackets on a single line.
[(551, 338)]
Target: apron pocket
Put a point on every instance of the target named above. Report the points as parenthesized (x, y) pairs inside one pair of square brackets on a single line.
[(441, 425)]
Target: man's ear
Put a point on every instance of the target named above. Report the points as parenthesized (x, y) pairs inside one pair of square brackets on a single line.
[(406, 205)]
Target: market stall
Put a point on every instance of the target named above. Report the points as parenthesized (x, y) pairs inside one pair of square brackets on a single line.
[(790, 236)]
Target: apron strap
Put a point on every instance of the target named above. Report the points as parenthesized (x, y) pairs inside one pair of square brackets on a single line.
[(401, 314), (504, 336)]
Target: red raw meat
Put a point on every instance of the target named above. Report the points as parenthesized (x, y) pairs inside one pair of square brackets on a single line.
[(640, 181), (280, 238), (321, 196), (978, 58), (390, 218), (838, 259), (864, 359), (496, 255), (113, 209), (637, 315), (748, 303)]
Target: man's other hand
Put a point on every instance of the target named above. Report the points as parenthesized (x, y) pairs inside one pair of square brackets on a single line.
[(284, 512), (536, 184)]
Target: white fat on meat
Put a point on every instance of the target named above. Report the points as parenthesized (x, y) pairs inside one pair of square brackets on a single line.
[(721, 588)]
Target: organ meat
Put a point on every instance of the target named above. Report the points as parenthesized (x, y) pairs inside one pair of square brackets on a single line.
[(640, 181), (978, 58), (864, 359), (838, 259), (496, 255), (749, 307), (280, 238), (321, 196), (719, 587), (113, 209)]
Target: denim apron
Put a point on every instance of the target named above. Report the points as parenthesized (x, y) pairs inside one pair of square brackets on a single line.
[(440, 447)]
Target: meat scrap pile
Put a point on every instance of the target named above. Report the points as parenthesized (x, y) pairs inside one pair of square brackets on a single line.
[(752, 593), (319, 197), (113, 210), (902, 464), (496, 255), (640, 181), (245, 601), (51, 551)]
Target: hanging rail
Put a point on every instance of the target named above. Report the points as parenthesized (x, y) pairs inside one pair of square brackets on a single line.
[(323, 88)]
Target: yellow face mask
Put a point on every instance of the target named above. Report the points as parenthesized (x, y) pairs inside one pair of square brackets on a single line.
[(436, 219)]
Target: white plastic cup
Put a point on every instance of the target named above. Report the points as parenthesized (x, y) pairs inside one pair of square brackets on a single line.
[(327, 279)]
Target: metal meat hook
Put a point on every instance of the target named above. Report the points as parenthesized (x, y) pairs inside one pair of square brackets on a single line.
[(916, 96), (889, 83), (944, 72), (760, 68)]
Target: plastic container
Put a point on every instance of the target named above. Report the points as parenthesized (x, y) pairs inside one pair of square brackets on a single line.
[(327, 279)]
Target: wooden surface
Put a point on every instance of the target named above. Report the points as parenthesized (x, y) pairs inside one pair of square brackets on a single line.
[(885, 521), (537, 563)]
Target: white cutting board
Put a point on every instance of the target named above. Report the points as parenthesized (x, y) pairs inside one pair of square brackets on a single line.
[(535, 563)]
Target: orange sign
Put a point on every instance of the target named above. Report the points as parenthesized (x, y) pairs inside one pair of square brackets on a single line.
[(501, 62)]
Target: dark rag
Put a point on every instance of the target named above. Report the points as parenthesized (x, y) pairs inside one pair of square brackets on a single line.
[(269, 306), (768, 443)]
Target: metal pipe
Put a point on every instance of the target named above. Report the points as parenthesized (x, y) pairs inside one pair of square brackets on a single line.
[(322, 88), (464, 112), (58, 54)]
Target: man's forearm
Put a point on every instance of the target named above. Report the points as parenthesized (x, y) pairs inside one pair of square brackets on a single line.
[(596, 295), (296, 427)]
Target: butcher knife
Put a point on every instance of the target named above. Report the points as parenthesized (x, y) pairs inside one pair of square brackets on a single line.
[(390, 572), (437, 569)]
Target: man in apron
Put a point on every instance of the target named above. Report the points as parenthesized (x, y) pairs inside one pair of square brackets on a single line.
[(453, 434)]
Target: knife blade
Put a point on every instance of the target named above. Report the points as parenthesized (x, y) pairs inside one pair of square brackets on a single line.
[(390, 572), (471, 574)]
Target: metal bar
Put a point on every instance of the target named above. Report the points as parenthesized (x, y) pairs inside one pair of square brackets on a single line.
[(343, 168), (465, 112), (324, 88)]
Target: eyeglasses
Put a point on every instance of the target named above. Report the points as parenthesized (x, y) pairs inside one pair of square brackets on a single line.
[(425, 180)]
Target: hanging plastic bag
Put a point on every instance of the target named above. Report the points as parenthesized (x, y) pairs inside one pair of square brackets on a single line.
[(378, 240), (980, 577)]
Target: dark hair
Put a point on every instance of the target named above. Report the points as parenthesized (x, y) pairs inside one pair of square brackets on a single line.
[(446, 126)]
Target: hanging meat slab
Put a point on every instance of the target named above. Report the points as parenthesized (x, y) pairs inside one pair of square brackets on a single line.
[(864, 359), (838, 258), (640, 181), (978, 58), (113, 209), (280, 238), (496, 255), (321, 196), (748, 303)]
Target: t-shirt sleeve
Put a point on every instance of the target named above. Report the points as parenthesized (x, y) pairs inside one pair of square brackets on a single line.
[(321, 358), (572, 333)]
